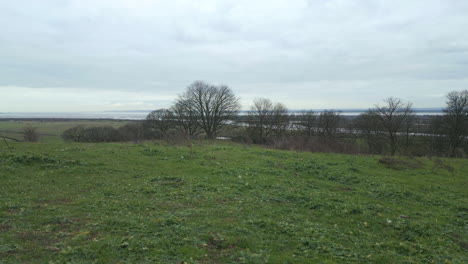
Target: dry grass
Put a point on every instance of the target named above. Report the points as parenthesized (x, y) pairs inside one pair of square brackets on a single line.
[(321, 145)]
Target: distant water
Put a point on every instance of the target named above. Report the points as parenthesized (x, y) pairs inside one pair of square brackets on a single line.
[(130, 115), (139, 115)]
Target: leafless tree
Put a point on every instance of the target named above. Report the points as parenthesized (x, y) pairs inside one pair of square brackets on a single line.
[(329, 124), (307, 123), (393, 118), (367, 128), (30, 134), (158, 122), (185, 117), (435, 136), (213, 105), (456, 119), (408, 129), (267, 119)]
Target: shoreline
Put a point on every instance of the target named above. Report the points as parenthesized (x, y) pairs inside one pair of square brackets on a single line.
[(63, 119)]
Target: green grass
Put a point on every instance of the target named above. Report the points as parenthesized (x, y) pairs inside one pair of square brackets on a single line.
[(227, 203), (50, 131)]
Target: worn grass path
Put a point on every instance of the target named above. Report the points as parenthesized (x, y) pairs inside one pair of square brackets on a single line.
[(227, 203)]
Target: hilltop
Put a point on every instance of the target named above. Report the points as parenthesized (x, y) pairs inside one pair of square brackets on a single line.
[(227, 203)]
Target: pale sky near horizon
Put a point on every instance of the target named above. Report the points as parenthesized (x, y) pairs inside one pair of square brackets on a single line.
[(93, 55)]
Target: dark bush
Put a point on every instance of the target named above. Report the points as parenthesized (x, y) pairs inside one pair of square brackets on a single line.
[(30, 134), (101, 134), (132, 132), (92, 134), (75, 134)]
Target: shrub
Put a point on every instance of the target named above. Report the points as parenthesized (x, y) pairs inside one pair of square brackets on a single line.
[(102, 134), (92, 134), (75, 134), (132, 132), (30, 134)]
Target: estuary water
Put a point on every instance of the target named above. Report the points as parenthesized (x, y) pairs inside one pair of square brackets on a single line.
[(141, 114)]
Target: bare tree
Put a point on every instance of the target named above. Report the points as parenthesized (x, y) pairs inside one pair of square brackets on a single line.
[(30, 134), (392, 119), (408, 130), (267, 119), (159, 122), (185, 117), (329, 124), (213, 105), (456, 119), (307, 123), (435, 136), (366, 125)]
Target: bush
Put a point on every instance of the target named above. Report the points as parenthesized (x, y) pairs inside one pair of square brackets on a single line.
[(75, 134), (92, 134), (102, 134), (132, 132), (30, 134)]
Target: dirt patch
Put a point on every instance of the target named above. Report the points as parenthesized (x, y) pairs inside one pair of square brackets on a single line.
[(400, 164), (344, 189), (280, 166)]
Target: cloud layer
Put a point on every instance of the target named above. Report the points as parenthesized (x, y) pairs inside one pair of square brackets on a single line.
[(58, 55)]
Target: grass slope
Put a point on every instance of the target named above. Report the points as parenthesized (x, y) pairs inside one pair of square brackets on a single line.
[(225, 203)]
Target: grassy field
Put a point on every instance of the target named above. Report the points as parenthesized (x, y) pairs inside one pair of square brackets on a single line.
[(50, 131), (227, 203)]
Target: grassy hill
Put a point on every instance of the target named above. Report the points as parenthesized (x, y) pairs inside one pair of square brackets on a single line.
[(227, 203)]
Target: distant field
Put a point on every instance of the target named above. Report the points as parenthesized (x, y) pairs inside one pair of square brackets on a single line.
[(50, 131), (227, 203)]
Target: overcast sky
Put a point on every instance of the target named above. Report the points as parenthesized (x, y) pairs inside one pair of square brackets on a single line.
[(91, 55)]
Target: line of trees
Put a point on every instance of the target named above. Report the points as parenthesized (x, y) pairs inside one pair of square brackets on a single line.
[(391, 127)]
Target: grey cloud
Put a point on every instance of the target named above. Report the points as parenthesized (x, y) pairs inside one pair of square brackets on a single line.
[(284, 49)]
